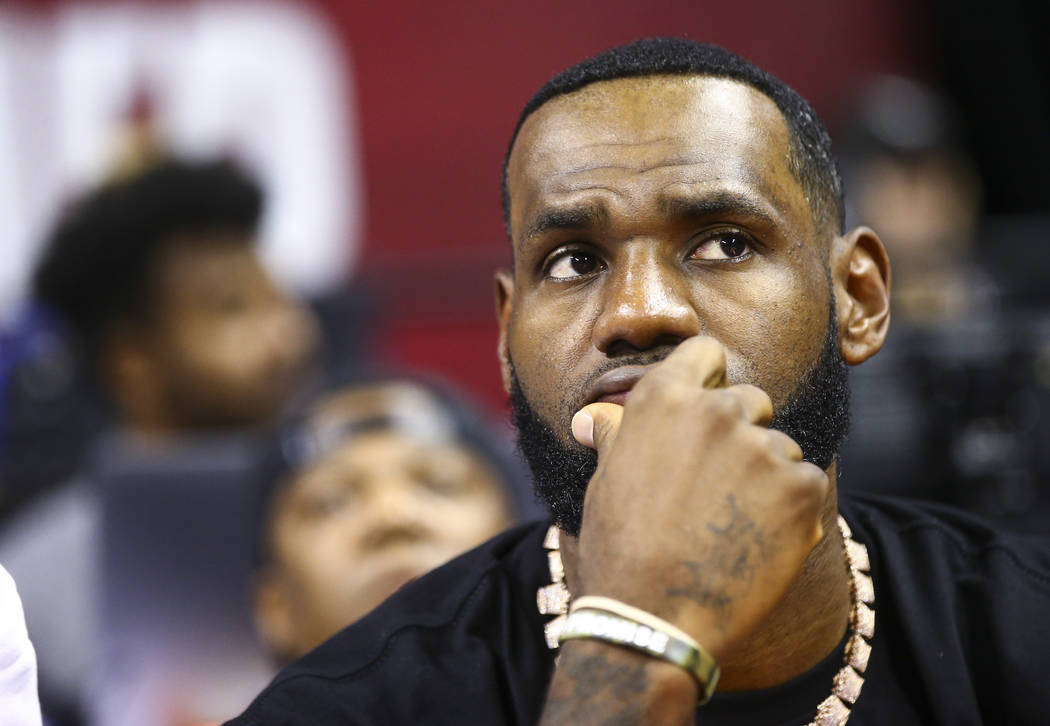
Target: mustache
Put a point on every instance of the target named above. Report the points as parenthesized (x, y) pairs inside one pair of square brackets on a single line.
[(647, 357), (735, 373)]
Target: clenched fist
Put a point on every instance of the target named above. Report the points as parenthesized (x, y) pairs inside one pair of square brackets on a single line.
[(698, 512)]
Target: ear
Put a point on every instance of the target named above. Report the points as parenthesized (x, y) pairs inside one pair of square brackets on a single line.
[(860, 272), (272, 611), (504, 305)]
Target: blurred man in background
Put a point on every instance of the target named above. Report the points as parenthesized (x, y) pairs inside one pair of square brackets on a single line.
[(184, 334), (909, 176), (381, 482), (158, 279), (162, 320), (953, 407)]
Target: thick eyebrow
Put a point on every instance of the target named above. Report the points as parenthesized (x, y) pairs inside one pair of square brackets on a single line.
[(719, 204), (581, 217)]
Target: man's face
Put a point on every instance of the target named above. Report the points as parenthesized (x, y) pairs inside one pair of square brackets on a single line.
[(381, 508), (228, 346), (644, 212)]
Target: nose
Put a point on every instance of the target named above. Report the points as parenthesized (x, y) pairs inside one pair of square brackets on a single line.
[(645, 304), (393, 514)]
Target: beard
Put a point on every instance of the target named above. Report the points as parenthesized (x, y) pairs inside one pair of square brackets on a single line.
[(816, 416)]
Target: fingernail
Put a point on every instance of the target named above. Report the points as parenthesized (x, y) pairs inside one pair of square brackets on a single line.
[(583, 428)]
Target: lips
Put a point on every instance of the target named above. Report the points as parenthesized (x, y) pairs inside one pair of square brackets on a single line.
[(616, 385)]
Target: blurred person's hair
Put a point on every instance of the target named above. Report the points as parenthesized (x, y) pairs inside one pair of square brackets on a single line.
[(99, 262), (811, 160), (898, 117)]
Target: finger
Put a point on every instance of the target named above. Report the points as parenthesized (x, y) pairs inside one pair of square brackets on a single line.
[(821, 488), (596, 424), (699, 358), (784, 444), (756, 404)]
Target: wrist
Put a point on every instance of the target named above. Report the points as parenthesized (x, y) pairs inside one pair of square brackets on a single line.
[(598, 682), (701, 624), (621, 624)]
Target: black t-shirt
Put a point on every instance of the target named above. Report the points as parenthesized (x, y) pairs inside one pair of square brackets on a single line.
[(962, 636)]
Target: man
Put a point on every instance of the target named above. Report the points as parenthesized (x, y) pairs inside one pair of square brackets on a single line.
[(153, 281), (379, 483), (157, 280), (157, 276), (681, 279)]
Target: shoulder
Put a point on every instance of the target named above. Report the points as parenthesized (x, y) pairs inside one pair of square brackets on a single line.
[(960, 611), (18, 697), (439, 643), (960, 604), (952, 540)]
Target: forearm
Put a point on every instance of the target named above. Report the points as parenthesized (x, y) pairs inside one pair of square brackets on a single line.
[(601, 683)]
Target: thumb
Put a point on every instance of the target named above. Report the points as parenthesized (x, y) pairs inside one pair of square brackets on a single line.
[(596, 424)]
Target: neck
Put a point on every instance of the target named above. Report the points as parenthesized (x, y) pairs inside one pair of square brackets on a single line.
[(802, 630), (148, 422)]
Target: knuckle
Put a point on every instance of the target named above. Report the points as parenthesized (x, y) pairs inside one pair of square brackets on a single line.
[(759, 457), (658, 386), (812, 483), (755, 400), (817, 476), (722, 404), (702, 351), (759, 442), (701, 343), (654, 379), (748, 389), (783, 443), (712, 350)]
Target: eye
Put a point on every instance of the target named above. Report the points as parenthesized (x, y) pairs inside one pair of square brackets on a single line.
[(438, 474), (728, 245), (320, 505), (573, 263), (441, 484)]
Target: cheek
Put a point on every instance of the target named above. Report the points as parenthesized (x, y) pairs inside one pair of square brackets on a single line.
[(470, 521), (199, 342), (549, 341), (773, 333), (232, 345), (321, 554), (546, 330), (222, 350)]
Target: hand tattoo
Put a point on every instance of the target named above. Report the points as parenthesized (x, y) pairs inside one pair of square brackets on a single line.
[(728, 570)]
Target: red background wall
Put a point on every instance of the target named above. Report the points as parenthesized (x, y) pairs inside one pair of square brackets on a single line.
[(439, 87), (438, 90)]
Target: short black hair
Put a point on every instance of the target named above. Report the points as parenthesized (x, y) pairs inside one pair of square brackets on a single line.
[(811, 160), (98, 262)]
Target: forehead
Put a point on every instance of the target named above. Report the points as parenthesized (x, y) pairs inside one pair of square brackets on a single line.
[(634, 140), (410, 408), (384, 448), (382, 457), (206, 260)]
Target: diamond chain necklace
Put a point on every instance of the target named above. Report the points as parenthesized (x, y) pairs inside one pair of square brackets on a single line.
[(834, 710)]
